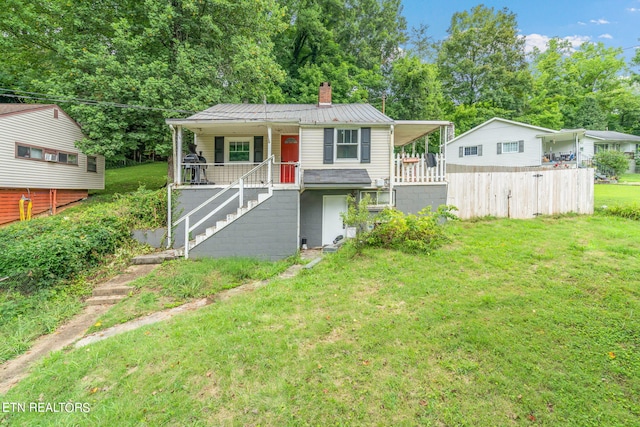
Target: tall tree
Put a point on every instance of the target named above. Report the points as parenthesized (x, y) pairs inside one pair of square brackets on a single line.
[(168, 54), (482, 62)]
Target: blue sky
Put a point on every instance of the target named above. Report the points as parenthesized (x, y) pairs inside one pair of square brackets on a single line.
[(616, 23)]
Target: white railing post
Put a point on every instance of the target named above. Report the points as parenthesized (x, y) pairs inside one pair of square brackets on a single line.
[(241, 192), (169, 219), (269, 171), (186, 238)]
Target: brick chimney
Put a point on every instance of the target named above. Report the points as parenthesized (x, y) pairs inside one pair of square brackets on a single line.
[(324, 95)]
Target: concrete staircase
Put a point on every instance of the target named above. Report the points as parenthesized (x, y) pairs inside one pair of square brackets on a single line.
[(118, 288), (210, 231)]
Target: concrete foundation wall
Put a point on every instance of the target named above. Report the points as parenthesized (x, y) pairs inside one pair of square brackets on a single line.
[(410, 199), (188, 198), (269, 231)]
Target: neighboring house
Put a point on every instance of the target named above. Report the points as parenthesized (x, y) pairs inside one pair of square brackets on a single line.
[(507, 143), (40, 161), (603, 140), (262, 180)]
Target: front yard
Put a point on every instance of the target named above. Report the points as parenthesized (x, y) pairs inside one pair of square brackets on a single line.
[(516, 322)]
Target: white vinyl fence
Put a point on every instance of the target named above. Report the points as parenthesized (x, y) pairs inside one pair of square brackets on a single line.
[(521, 194)]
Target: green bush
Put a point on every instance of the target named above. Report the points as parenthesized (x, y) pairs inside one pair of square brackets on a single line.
[(44, 252), (630, 211), (144, 208), (421, 233), (613, 160)]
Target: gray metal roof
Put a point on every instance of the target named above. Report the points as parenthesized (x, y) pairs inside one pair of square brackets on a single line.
[(296, 113), (609, 135), (349, 177)]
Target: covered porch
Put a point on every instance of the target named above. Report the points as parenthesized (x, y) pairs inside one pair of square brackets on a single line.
[(412, 165), (219, 154), (562, 149)]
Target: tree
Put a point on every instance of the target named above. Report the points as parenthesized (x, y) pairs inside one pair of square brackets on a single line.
[(482, 61), (174, 56)]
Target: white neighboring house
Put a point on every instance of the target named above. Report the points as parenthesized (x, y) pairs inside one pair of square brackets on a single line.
[(507, 143), (603, 140), (40, 160)]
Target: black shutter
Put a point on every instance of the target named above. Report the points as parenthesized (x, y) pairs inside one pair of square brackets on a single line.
[(521, 146), (461, 152), (219, 149), (365, 145), (328, 146), (258, 142), (479, 150), (499, 147)]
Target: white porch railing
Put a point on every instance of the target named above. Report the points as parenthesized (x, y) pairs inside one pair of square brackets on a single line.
[(417, 169), (222, 174), (259, 176)]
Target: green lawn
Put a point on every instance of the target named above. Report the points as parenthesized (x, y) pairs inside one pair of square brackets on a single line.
[(615, 194), (515, 322), (125, 180), (630, 178)]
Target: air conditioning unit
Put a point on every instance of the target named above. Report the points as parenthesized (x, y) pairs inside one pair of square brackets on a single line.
[(51, 157)]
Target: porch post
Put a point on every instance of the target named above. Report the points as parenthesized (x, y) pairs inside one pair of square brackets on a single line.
[(392, 164), (178, 160), (269, 151)]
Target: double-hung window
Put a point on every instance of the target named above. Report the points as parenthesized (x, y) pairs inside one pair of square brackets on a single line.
[(471, 151), (239, 151), (347, 144), (510, 147)]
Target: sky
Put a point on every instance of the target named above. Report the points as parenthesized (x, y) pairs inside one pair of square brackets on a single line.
[(616, 23)]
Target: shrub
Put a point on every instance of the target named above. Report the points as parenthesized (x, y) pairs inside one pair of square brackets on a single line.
[(613, 160), (630, 211), (46, 251)]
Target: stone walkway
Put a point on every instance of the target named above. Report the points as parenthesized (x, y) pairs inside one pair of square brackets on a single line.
[(12, 371)]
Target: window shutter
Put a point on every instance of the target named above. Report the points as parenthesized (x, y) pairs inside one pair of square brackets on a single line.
[(365, 145), (258, 142), (499, 147), (479, 150), (521, 146), (328, 146), (461, 152), (219, 149)]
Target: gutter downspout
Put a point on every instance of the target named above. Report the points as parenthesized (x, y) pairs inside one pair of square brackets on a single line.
[(178, 161)]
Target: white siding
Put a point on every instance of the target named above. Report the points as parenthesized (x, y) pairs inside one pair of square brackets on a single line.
[(40, 128), (489, 136), (312, 153), (206, 144)]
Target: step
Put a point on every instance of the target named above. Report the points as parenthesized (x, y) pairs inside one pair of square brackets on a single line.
[(220, 224), (231, 217), (200, 238), (105, 300), (241, 211), (155, 258), (112, 290), (252, 204), (210, 231), (263, 196)]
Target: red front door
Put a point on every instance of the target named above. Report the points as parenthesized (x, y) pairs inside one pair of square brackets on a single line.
[(289, 153)]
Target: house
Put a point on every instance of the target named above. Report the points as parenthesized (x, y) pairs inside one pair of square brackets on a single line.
[(618, 141), (262, 180), (40, 163), (507, 143)]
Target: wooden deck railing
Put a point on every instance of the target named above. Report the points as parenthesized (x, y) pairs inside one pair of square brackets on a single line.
[(418, 168)]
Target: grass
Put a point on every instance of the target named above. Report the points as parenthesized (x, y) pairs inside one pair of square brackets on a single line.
[(178, 281), (615, 194), (152, 176), (516, 322), (630, 178)]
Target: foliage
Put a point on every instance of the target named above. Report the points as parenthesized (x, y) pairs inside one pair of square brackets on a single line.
[(44, 252), (505, 326), (182, 55), (615, 161), (152, 176), (629, 211), (482, 61), (144, 208), (421, 233)]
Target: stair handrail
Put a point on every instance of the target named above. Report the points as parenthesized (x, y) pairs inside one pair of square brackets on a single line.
[(224, 190)]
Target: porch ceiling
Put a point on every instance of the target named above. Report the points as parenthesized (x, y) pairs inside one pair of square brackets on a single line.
[(563, 136), (407, 131)]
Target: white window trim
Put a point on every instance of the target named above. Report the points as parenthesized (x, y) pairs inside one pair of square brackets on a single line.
[(464, 151), (517, 145), (227, 140), (377, 193), (335, 146)]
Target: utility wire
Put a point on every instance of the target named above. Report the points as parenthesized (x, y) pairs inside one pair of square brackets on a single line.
[(44, 97)]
